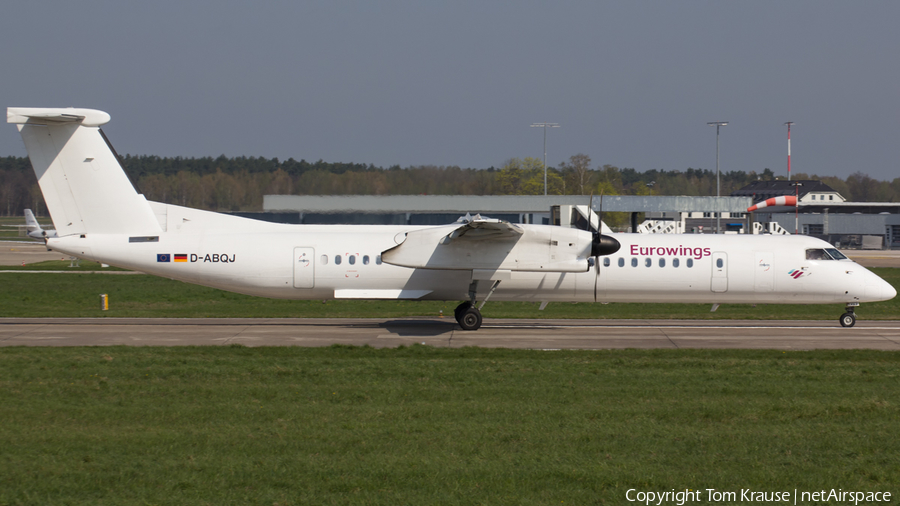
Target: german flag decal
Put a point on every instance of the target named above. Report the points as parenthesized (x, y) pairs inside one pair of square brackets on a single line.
[(180, 257)]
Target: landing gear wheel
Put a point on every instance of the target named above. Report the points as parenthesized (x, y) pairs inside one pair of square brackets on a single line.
[(470, 318), (848, 320), (460, 309)]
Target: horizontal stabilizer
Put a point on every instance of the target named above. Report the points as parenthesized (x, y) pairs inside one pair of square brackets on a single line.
[(44, 116)]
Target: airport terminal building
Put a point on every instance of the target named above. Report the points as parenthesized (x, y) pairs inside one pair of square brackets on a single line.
[(822, 212)]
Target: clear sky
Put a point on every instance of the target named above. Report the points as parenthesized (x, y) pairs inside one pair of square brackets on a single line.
[(632, 83)]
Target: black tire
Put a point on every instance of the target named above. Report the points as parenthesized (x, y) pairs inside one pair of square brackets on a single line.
[(848, 320), (457, 313), (470, 319)]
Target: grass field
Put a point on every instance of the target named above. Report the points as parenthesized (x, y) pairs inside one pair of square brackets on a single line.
[(71, 295), (421, 425)]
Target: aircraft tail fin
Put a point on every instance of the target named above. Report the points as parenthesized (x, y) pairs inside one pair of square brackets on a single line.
[(31, 224), (84, 186)]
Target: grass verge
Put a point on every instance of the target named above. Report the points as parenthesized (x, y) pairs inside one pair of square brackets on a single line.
[(419, 425)]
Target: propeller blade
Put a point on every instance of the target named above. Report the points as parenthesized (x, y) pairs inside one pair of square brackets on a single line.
[(590, 211), (600, 215)]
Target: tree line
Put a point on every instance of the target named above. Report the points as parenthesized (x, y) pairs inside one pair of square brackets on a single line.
[(239, 183)]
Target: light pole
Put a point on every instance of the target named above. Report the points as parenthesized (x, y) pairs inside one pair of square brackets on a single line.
[(545, 125), (789, 123), (796, 185), (718, 125)]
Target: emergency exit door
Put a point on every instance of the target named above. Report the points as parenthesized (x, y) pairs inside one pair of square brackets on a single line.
[(719, 272), (304, 268)]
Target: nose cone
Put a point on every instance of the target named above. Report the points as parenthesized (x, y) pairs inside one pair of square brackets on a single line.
[(888, 292), (878, 289)]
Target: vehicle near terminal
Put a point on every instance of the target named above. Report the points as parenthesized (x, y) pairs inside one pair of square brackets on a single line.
[(99, 215)]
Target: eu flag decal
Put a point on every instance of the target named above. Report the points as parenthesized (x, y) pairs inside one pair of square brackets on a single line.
[(163, 257)]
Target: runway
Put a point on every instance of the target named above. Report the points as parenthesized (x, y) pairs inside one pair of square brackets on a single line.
[(496, 333)]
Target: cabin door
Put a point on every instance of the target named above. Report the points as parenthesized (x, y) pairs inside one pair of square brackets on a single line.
[(304, 268), (764, 276), (719, 272)]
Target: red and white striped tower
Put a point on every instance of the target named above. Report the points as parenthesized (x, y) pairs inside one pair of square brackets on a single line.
[(789, 123)]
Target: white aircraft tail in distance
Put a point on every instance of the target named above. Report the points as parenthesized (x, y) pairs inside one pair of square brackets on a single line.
[(33, 228), (98, 215)]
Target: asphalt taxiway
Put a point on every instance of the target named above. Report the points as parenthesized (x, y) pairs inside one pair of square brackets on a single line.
[(496, 333)]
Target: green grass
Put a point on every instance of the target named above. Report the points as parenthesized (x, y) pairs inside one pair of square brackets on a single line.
[(420, 425), (67, 265), (41, 295)]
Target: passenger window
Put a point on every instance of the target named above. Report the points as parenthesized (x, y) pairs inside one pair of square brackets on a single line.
[(648, 262), (690, 262), (352, 259), (365, 259), (674, 262), (634, 262), (621, 262), (337, 260), (719, 263), (606, 262), (378, 260), (324, 259), (662, 262)]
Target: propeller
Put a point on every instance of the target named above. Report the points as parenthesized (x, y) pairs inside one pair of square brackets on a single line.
[(601, 245)]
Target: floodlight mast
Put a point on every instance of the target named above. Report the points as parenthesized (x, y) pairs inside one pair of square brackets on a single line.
[(718, 124), (789, 123), (545, 125)]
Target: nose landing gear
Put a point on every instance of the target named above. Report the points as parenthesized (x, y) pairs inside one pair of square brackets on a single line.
[(848, 319)]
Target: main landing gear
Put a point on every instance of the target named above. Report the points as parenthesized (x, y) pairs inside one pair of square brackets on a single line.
[(848, 319), (467, 314)]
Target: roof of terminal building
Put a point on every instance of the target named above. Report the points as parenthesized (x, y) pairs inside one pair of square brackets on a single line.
[(762, 190), (495, 203)]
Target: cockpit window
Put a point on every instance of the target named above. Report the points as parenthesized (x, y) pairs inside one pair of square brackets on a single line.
[(824, 254), (817, 254)]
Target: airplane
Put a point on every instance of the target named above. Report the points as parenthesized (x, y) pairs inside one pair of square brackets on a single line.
[(33, 228), (99, 216)]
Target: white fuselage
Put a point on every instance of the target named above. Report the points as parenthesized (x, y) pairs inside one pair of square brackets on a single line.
[(344, 261)]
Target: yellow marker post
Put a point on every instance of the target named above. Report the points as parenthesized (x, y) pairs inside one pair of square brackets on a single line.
[(104, 302)]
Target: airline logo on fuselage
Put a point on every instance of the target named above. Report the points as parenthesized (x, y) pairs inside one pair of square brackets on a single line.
[(216, 258), (797, 273), (679, 251)]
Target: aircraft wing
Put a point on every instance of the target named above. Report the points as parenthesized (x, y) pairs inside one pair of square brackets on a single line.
[(483, 228), (480, 243)]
